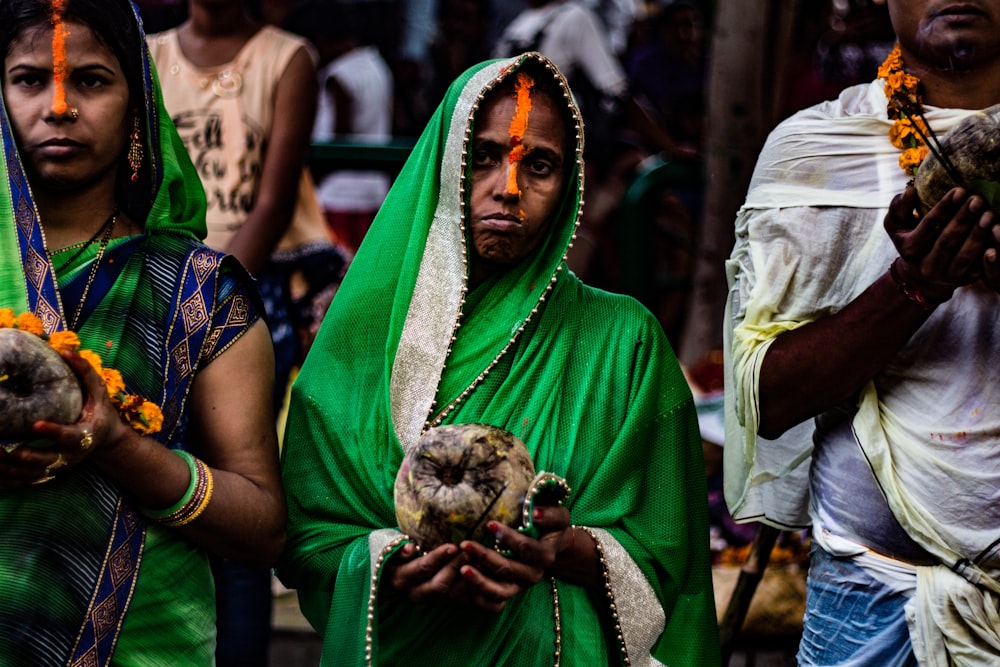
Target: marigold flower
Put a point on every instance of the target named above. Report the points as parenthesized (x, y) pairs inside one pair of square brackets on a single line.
[(893, 61), (113, 380), (6, 318), (149, 418), (911, 158), (64, 341), (904, 135), (94, 360), (29, 322)]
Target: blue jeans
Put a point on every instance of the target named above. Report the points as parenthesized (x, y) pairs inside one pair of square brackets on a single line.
[(852, 619)]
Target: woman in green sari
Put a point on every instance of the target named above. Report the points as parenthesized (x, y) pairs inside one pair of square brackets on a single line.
[(104, 531), (459, 308)]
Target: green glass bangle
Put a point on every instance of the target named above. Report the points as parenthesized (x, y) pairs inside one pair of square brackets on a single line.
[(186, 498)]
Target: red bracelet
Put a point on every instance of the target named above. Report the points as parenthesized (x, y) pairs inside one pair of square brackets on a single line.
[(909, 291)]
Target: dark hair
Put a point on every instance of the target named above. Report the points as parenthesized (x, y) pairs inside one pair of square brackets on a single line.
[(115, 26)]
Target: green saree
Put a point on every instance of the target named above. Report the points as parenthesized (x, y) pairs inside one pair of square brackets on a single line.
[(83, 579), (585, 378)]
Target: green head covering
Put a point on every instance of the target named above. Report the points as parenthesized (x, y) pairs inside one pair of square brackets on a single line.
[(585, 378)]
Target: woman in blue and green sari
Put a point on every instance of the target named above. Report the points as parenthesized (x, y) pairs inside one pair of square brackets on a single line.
[(104, 531)]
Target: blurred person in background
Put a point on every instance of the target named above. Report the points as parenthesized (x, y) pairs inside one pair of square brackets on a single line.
[(224, 75)]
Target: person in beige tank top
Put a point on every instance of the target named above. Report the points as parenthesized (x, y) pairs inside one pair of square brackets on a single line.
[(243, 96)]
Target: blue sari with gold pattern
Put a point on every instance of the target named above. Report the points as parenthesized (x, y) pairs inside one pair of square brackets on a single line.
[(83, 579)]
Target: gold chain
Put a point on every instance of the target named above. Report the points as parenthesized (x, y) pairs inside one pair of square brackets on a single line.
[(93, 272)]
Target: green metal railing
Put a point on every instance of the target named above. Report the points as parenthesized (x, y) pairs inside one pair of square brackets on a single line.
[(324, 157), (637, 218)]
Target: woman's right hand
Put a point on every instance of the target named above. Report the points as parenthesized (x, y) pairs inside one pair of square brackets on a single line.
[(430, 577)]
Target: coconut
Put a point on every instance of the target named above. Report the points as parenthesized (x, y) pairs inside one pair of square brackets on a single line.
[(456, 479), (35, 384), (973, 147)]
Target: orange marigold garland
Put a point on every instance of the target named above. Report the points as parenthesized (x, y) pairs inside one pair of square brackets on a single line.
[(906, 108), (910, 131), (518, 126), (142, 415)]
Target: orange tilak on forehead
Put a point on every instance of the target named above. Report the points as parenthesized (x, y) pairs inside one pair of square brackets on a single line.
[(518, 126), (59, 34)]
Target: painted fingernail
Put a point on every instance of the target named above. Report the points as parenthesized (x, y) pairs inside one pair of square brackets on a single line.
[(467, 572), (537, 513)]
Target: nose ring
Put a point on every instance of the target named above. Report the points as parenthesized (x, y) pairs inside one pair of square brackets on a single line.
[(73, 113)]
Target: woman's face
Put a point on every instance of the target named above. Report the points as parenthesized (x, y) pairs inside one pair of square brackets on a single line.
[(67, 152), (507, 223)]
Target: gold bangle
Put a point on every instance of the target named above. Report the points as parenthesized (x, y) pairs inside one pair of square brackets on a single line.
[(199, 501), (194, 501)]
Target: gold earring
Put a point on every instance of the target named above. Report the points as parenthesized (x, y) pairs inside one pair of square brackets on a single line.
[(135, 149)]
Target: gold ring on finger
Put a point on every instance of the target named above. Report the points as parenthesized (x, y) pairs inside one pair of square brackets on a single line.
[(86, 440), (60, 462)]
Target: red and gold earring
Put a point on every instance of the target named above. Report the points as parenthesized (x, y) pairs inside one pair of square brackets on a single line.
[(135, 149)]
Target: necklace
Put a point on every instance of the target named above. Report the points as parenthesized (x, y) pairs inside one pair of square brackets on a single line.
[(109, 228), (910, 131), (86, 244)]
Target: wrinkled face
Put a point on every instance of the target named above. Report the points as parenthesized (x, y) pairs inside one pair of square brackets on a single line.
[(512, 201), (947, 34), (62, 152)]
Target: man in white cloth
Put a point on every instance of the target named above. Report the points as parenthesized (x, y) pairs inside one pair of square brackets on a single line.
[(861, 398)]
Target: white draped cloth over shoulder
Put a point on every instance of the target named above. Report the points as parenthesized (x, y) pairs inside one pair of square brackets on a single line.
[(810, 239)]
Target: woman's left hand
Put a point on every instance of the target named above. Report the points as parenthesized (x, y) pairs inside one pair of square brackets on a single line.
[(494, 579), (98, 425)]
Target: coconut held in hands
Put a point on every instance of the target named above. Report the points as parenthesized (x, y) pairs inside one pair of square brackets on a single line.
[(458, 478), (35, 384), (973, 147)]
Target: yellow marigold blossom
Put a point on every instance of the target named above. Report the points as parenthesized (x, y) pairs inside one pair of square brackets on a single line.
[(29, 322), (113, 379), (904, 135), (6, 318), (94, 360), (911, 158), (64, 341), (893, 61), (150, 417)]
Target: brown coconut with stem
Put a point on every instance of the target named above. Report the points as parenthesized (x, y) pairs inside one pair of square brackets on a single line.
[(967, 156), (35, 384), (458, 478)]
